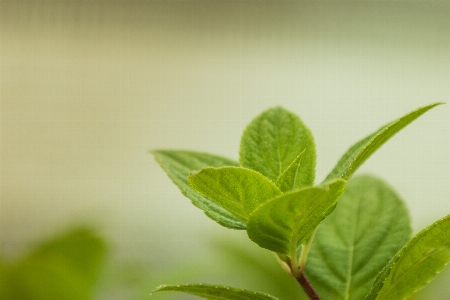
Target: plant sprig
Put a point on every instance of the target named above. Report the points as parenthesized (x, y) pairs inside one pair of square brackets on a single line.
[(359, 251)]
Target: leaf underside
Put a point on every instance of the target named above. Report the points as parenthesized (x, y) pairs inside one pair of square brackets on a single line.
[(369, 225), (179, 163), (292, 217), (362, 150), (273, 141), (416, 264), (213, 292)]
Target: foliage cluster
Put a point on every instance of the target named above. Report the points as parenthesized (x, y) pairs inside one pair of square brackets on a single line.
[(363, 247)]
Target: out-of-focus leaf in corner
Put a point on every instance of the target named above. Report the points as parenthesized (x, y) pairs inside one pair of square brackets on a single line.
[(65, 267)]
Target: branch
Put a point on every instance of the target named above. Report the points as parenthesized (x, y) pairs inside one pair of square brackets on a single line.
[(307, 287)]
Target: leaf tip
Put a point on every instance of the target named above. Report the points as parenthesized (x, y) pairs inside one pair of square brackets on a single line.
[(156, 153), (430, 106), (158, 288)]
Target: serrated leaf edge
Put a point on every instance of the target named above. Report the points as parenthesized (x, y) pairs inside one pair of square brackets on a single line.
[(239, 225)]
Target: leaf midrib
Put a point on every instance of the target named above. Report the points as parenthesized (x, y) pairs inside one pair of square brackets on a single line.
[(298, 222), (294, 182), (239, 203), (278, 151)]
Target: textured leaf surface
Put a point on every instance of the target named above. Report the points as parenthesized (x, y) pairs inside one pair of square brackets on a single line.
[(178, 164), (415, 265), (214, 292), (238, 190), (273, 140), (369, 225), (290, 219), (290, 178), (362, 150)]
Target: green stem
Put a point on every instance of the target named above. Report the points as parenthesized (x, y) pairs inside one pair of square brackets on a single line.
[(305, 251), (294, 259), (284, 262), (298, 267)]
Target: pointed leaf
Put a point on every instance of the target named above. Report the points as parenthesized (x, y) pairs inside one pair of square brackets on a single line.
[(416, 264), (291, 218), (178, 164), (290, 178), (214, 292), (238, 190), (273, 140), (369, 225), (362, 150)]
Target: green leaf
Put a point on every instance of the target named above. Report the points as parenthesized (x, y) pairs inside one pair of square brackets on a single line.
[(273, 140), (65, 267), (369, 225), (362, 150), (416, 264), (214, 292), (238, 190), (290, 178), (178, 164), (290, 219)]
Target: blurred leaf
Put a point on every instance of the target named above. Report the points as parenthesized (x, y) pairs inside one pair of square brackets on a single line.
[(290, 219), (362, 150), (238, 190), (178, 164), (369, 225), (63, 268), (416, 264), (273, 140), (245, 264), (214, 292)]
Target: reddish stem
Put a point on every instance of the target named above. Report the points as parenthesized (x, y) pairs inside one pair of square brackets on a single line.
[(307, 287)]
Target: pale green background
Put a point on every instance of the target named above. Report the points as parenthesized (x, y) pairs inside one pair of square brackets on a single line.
[(87, 88)]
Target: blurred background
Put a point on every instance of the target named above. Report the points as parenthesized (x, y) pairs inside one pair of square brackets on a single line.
[(89, 87)]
